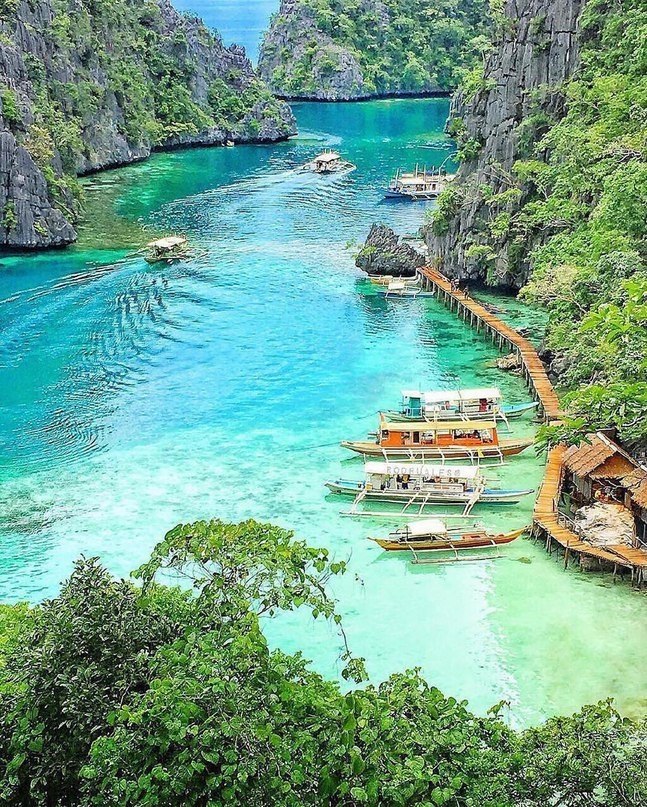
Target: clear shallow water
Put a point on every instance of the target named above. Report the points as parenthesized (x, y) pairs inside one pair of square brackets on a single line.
[(239, 21), (136, 396)]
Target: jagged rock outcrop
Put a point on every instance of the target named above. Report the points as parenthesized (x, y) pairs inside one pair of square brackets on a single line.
[(336, 51), (86, 86), (520, 96), (385, 254)]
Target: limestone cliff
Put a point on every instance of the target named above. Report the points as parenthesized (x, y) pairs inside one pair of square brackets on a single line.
[(384, 253), (88, 84), (499, 121), (334, 50)]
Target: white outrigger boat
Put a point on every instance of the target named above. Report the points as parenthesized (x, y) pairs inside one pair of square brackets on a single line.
[(460, 404), (418, 185), (169, 249), (328, 162), (403, 288), (417, 485)]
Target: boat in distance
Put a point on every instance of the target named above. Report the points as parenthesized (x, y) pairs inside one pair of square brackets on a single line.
[(403, 288), (433, 535), (418, 185), (472, 440), (328, 162), (458, 404), (421, 484), (169, 249)]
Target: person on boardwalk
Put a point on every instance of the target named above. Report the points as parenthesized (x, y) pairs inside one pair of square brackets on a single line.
[(453, 286), (466, 290)]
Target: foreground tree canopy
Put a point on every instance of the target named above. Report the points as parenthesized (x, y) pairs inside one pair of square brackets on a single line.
[(117, 693)]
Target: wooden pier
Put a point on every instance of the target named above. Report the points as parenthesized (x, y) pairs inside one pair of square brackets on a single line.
[(548, 523), (503, 336)]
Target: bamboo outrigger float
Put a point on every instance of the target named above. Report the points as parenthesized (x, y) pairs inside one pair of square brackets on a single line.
[(460, 404), (416, 485), (433, 535), (472, 440)]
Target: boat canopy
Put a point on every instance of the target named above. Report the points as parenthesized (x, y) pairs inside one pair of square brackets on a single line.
[(419, 469), (397, 285), (437, 425), (327, 157), (429, 526), (440, 396), (168, 243)]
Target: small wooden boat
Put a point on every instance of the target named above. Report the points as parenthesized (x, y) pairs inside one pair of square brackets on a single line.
[(169, 249), (419, 485), (404, 288), (328, 162), (461, 404), (384, 280), (472, 440), (433, 535), (419, 185)]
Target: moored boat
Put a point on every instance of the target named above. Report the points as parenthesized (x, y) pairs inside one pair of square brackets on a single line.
[(418, 185), (171, 248), (421, 485), (472, 440), (433, 535), (328, 162), (460, 404), (403, 288)]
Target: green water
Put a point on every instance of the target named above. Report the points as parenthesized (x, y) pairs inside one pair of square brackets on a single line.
[(137, 396)]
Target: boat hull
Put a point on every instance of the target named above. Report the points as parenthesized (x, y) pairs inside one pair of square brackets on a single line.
[(349, 488), (511, 412), (506, 448), (457, 544)]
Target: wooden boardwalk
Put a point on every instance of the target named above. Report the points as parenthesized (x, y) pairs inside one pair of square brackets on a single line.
[(503, 335), (548, 522)]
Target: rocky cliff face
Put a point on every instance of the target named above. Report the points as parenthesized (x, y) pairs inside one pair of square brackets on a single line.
[(519, 96), (88, 84), (385, 254), (333, 50)]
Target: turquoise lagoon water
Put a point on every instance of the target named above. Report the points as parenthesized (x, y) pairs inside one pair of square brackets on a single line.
[(239, 21), (135, 397)]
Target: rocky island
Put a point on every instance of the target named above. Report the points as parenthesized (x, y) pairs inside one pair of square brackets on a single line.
[(329, 50), (91, 86)]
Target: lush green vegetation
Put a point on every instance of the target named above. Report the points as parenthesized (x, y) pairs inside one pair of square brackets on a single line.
[(115, 693), (583, 181), (133, 69), (400, 46)]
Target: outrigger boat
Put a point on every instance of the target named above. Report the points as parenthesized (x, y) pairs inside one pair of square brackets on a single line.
[(403, 288), (169, 249), (460, 404), (328, 162), (472, 440), (433, 535), (384, 280), (416, 484), (419, 185)]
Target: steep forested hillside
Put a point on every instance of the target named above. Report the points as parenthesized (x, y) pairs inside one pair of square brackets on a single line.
[(86, 84), (343, 49), (552, 193)]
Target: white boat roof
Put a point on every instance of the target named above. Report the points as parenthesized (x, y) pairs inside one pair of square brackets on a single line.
[(420, 469), (436, 425), (429, 526), (168, 243), (327, 157), (397, 284), (437, 396)]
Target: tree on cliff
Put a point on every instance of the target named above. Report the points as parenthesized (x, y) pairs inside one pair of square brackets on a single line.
[(117, 694)]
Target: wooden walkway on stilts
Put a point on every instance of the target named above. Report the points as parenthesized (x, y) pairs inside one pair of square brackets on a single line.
[(548, 522), (503, 335)]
